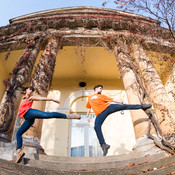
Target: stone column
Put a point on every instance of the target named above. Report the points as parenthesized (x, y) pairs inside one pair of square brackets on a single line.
[(163, 105), (170, 85), (12, 96), (42, 79), (133, 90)]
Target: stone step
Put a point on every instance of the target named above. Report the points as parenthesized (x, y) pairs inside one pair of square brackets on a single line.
[(6, 171), (8, 168), (165, 165), (6, 153), (162, 171), (132, 155), (162, 166), (95, 165)]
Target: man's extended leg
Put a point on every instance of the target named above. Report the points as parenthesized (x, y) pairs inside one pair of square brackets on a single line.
[(145, 107), (118, 107)]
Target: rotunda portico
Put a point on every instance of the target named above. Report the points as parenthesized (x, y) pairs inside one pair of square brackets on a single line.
[(57, 49)]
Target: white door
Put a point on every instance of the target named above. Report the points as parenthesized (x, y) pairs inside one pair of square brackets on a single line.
[(83, 139)]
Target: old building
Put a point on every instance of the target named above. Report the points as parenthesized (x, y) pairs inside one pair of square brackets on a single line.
[(64, 53)]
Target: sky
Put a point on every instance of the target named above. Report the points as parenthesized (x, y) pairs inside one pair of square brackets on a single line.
[(14, 8)]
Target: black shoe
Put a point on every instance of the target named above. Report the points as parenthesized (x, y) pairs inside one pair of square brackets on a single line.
[(105, 148), (145, 107)]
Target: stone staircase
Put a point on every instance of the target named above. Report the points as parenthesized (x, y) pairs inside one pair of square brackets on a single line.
[(128, 164)]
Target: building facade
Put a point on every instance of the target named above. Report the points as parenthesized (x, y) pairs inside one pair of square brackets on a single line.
[(64, 53)]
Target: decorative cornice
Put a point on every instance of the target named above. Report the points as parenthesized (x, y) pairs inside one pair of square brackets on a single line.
[(78, 11)]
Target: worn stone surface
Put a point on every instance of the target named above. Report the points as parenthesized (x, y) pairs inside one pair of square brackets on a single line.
[(149, 164)]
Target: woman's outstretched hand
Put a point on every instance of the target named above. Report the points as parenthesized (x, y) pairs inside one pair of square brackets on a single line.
[(38, 98), (57, 101)]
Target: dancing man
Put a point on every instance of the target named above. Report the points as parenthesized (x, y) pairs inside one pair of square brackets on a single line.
[(102, 107)]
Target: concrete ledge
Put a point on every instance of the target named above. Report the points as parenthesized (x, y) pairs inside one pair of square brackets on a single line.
[(166, 163), (43, 157), (95, 165), (7, 154), (164, 166)]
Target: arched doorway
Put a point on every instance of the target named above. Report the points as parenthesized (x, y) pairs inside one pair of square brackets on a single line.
[(82, 137)]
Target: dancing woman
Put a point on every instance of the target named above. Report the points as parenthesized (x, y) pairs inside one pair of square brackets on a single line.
[(29, 114)]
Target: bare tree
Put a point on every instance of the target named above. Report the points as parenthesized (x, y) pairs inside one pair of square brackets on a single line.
[(162, 10)]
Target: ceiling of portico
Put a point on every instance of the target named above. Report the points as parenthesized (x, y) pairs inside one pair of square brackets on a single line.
[(93, 65), (89, 64), (77, 64), (85, 63)]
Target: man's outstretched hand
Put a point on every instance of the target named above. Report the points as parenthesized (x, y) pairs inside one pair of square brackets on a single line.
[(88, 119)]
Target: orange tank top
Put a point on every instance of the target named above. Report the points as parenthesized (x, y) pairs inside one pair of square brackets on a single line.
[(24, 107)]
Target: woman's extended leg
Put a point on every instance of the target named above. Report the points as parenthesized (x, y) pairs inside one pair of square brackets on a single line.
[(37, 114), (34, 113)]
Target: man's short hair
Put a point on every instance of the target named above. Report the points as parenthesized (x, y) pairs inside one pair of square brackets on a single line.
[(99, 85)]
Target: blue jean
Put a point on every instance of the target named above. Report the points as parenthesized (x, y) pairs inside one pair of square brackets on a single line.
[(109, 110), (30, 117)]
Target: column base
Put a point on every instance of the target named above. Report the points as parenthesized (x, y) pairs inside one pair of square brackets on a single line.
[(147, 146), (5, 138), (29, 141), (7, 150)]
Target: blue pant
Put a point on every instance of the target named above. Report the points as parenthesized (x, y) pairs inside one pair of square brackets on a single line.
[(109, 110), (30, 117)]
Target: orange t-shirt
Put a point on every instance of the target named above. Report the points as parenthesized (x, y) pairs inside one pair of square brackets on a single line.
[(24, 107), (98, 103)]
